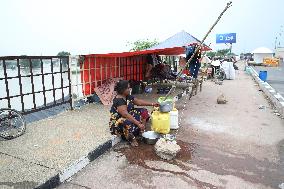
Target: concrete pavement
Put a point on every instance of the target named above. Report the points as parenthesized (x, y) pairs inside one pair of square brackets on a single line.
[(236, 145), (53, 148)]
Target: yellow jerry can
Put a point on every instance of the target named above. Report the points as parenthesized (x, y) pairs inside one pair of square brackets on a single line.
[(160, 122)]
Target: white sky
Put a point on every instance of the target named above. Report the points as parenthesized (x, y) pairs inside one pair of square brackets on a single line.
[(35, 27)]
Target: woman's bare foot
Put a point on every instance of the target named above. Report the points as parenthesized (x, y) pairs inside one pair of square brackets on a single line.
[(134, 143)]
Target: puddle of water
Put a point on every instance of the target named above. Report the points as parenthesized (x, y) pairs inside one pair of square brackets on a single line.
[(145, 152), (140, 155)]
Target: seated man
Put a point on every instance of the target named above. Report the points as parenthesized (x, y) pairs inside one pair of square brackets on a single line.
[(152, 61)]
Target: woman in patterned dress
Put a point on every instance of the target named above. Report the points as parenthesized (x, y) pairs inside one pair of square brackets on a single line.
[(126, 120)]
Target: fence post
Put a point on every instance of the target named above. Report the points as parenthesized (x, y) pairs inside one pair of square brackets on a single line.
[(70, 84), (6, 82)]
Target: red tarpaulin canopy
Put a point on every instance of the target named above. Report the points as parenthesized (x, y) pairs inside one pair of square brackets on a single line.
[(97, 68)]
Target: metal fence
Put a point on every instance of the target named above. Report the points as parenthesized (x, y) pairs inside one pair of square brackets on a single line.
[(37, 82)]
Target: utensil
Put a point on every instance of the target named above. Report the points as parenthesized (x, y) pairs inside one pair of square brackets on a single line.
[(166, 106), (150, 137)]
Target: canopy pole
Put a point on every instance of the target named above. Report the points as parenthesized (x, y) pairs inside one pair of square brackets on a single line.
[(229, 4)]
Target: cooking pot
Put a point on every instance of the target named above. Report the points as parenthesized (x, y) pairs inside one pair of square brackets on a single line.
[(165, 105), (150, 137)]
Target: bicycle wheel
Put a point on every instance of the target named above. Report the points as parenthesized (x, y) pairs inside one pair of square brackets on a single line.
[(223, 75), (12, 123)]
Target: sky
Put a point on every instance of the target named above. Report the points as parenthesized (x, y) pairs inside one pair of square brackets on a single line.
[(46, 27)]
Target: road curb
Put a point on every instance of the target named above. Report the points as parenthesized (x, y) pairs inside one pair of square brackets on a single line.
[(276, 98), (75, 167)]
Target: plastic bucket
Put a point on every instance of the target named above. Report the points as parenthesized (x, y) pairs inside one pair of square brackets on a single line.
[(263, 75)]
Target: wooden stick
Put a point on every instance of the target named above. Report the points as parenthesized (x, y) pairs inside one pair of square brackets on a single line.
[(229, 4)]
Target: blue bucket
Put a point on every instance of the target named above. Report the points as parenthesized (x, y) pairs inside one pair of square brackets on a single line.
[(263, 75)]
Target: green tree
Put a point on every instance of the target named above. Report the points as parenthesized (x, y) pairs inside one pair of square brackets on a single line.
[(142, 44), (25, 62), (232, 54), (64, 53), (223, 52), (211, 54)]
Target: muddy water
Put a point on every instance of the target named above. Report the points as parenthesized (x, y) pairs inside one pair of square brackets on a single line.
[(145, 152)]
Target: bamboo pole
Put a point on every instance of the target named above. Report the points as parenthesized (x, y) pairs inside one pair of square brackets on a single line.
[(229, 4)]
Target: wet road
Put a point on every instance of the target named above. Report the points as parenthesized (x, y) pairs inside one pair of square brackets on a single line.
[(275, 77), (234, 146)]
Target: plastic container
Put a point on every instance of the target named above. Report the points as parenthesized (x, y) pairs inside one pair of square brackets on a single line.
[(174, 119), (263, 75), (160, 122)]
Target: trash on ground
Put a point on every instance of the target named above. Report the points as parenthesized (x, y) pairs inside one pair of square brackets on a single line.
[(221, 99), (261, 107)]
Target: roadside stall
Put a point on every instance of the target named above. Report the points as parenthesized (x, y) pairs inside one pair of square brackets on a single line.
[(99, 72)]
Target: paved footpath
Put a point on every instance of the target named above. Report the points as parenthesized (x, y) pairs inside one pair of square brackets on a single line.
[(50, 148), (236, 145)]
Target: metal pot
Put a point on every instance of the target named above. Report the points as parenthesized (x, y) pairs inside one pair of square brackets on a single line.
[(166, 106), (150, 137)]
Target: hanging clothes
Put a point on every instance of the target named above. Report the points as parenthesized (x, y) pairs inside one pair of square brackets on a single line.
[(194, 68), (194, 64)]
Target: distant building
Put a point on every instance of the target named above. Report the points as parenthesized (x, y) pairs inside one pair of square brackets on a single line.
[(260, 53), (279, 52)]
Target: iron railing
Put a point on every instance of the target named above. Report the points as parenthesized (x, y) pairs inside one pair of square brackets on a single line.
[(35, 68)]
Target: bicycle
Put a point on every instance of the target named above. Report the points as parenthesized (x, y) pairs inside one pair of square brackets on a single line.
[(12, 123), (219, 73)]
